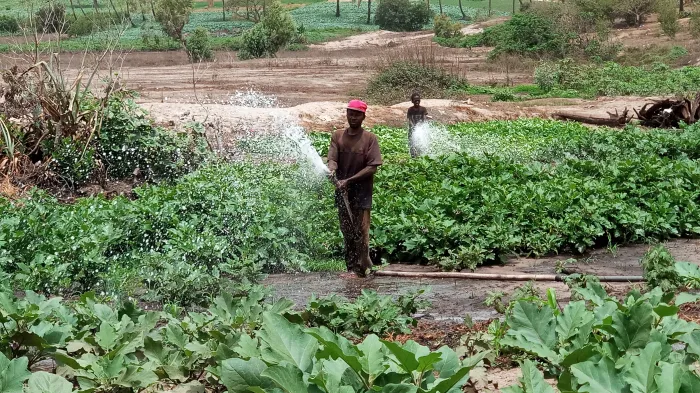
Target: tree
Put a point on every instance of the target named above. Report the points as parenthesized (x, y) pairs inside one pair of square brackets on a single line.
[(635, 12), (173, 15), (369, 12), (337, 8)]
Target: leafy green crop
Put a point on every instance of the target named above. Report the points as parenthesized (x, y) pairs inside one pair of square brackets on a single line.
[(240, 342), (601, 344), (368, 313)]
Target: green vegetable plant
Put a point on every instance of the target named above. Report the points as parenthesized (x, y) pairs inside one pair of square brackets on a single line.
[(601, 344)]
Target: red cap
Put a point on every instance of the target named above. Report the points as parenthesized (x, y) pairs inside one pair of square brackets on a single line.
[(357, 105)]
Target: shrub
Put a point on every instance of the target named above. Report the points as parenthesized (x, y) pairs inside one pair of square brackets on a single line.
[(528, 34), (88, 24), (51, 19), (446, 28), (660, 269), (8, 24), (695, 24), (503, 95), (402, 15), (198, 46), (254, 43), (668, 17), (547, 76), (266, 38), (400, 78)]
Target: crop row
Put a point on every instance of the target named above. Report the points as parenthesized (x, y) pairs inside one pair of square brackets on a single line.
[(527, 186)]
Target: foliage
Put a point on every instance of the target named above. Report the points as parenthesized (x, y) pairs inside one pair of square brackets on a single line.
[(444, 27), (660, 269), (604, 345), (547, 76), (8, 24), (173, 15), (399, 79), (73, 161), (369, 313), (51, 18), (695, 24), (528, 34), (198, 46), (612, 79), (239, 342), (90, 23), (635, 12), (402, 15), (668, 17), (273, 33)]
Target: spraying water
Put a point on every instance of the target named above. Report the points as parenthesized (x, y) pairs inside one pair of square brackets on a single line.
[(432, 139), (252, 99), (297, 136)]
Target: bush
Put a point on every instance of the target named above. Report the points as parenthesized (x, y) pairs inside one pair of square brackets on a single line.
[(547, 76), (660, 269), (8, 24), (503, 96), (528, 34), (446, 28), (266, 38), (51, 19), (402, 15), (198, 46), (668, 17), (695, 24), (396, 81), (87, 24)]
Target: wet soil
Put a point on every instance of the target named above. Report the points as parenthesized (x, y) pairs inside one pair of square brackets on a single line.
[(453, 299)]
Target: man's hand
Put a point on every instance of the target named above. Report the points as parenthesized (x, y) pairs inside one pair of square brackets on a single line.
[(342, 184)]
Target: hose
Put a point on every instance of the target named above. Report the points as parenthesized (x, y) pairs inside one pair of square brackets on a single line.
[(506, 277)]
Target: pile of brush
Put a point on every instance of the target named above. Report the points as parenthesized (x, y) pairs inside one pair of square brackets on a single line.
[(669, 113)]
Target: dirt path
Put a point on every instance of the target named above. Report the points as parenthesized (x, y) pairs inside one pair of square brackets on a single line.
[(453, 299)]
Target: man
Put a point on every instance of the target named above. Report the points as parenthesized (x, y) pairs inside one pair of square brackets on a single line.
[(353, 158), (416, 115)]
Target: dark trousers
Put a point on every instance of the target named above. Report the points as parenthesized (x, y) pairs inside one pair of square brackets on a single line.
[(412, 148), (356, 236)]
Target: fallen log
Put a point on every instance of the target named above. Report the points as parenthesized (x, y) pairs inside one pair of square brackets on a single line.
[(614, 120)]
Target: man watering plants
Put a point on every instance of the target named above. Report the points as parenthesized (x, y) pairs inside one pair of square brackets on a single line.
[(353, 158)]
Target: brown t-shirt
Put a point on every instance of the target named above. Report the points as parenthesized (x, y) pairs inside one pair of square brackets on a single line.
[(354, 153)]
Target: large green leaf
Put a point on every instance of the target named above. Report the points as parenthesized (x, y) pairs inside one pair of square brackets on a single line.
[(690, 382), (644, 368), (579, 355), (449, 362), (685, 297), (632, 329), (533, 380), (532, 329), (693, 341), (374, 359), (336, 346), (598, 377), (285, 342), (668, 379), (238, 374), (399, 388), (405, 357), (43, 382), (13, 373), (288, 378), (574, 317), (337, 377)]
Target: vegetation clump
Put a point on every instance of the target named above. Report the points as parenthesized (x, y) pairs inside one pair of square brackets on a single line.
[(402, 15), (198, 46), (272, 33)]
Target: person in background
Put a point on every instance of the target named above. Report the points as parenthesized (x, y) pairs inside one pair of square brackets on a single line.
[(353, 158), (416, 115)]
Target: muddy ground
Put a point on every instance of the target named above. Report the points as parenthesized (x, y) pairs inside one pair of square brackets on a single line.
[(453, 299)]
